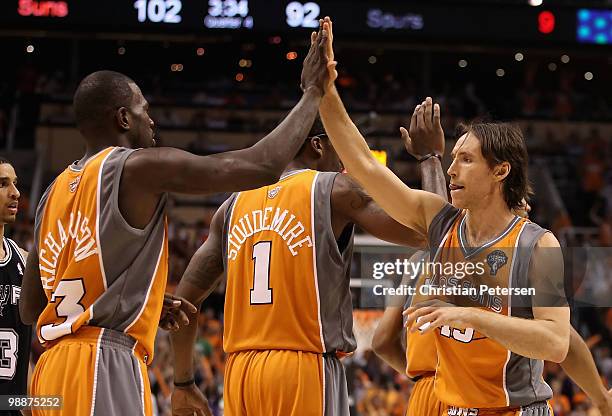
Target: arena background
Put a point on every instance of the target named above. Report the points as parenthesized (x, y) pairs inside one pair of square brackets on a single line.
[(220, 74)]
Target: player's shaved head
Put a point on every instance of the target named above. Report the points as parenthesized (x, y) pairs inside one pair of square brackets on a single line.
[(99, 95)]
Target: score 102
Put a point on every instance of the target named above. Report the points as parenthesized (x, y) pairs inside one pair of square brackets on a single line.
[(158, 11)]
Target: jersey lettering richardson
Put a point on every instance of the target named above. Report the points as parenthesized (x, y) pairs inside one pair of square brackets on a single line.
[(97, 271), (78, 229)]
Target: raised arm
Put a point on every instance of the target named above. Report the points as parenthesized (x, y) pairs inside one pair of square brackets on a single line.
[(413, 208), (203, 274), (353, 204), (159, 170)]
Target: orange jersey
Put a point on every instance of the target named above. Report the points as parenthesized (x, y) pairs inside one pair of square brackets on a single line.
[(96, 269), (421, 356), (474, 371), (287, 277)]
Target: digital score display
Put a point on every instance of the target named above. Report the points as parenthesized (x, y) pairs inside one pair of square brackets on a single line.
[(228, 14), (398, 19)]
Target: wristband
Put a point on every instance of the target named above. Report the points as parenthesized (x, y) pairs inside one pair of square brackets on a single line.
[(185, 383), (429, 156)]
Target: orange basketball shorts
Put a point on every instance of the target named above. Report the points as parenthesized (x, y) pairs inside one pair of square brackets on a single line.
[(96, 372), (284, 383)]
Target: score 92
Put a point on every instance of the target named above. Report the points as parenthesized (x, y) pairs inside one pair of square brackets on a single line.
[(303, 15), (157, 11)]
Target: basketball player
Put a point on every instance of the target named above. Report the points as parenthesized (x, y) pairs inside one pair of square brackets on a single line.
[(287, 250), (97, 277), (15, 337), (419, 357), (489, 355)]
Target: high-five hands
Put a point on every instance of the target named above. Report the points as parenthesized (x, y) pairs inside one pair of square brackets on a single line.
[(314, 69), (329, 51), (425, 134)]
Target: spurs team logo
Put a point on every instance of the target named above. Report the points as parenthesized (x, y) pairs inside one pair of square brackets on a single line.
[(74, 184), (496, 260), (273, 192)]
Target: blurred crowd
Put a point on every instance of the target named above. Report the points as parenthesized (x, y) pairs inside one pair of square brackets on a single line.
[(527, 90)]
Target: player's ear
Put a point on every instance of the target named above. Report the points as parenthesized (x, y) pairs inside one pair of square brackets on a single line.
[(317, 146), (502, 171), (123, 118)]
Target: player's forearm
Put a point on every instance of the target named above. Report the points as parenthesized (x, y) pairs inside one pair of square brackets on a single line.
[(33, 299), (346, 138), (412, 208), (432, 177), (581, 368), (183, 340), (386, 342), (183, 346), (274, 152), (205, 268), (532, 338)]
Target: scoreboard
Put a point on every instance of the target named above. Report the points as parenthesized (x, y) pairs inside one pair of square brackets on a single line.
[(399, 19)]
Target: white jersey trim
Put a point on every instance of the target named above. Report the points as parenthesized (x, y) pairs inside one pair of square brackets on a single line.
[(518, 238), (9, 253), (151, 284), (98, 241), (95, 380), (17, 250), (313, 189)]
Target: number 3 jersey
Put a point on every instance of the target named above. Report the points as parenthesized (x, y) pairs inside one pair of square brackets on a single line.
[(287, 276), (15, 337), (96, 269)]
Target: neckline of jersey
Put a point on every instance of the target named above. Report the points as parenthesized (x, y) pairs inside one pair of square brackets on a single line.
[(9, 253), (292, 173), (79, 170), (470, 251)]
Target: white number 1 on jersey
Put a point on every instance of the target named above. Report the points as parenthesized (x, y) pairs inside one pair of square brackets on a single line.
[(261, 294)]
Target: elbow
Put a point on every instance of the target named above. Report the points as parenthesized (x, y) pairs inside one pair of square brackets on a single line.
[(380, 346), (559, 350)]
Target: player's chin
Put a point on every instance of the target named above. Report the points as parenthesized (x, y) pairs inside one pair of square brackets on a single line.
[(458, 201), (8, 218)]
